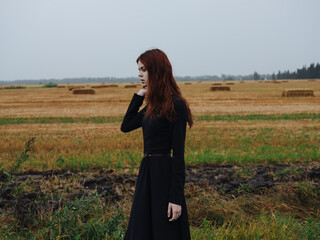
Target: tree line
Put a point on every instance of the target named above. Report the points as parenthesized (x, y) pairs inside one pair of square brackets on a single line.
[(311, 72)]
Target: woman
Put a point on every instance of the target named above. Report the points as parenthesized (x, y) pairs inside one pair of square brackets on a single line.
[(159, 210)]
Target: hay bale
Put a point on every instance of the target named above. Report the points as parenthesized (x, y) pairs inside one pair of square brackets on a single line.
[(230, 83), (187, 83), (312, 80), (113, 85), (61, 86), (275, 81), (130, 86), (297, 92), (284, 81), (74, 87), (241, 82), (220, 88), (216, 84), (83, 91)]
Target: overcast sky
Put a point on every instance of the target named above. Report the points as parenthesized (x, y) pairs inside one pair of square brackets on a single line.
[(42, 39)]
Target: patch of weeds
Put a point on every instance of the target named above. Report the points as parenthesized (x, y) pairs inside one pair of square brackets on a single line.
[(293, 171), (313, 229), (82, 219), (244, 188), (307, 191)]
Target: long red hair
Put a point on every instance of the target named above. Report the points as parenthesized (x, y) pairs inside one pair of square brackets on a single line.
[(161, 86)]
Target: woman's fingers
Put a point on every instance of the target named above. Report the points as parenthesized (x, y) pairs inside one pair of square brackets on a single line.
[(169, 210), (142, 92), (176, 211)]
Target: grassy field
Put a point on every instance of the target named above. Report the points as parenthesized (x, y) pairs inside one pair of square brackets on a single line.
[(250, 125)]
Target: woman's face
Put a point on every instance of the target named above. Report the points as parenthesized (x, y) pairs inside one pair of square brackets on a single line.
[(143, 74)]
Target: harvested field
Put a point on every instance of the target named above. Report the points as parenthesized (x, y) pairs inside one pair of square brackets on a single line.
[(252, 162), (220, 88), (59, 86), (98, 86), (297, 92), (83, 91), (216, 84), (230, 83), (130, 86)]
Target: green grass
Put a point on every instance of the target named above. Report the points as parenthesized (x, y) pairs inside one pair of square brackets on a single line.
[(261, 227), (275, 117), (86, 218), (103, 119), (50, 120)]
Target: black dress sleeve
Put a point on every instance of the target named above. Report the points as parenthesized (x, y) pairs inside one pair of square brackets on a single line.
[(132, 119), (177, 179)]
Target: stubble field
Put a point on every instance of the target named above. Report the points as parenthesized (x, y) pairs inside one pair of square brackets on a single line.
[(235, 131)]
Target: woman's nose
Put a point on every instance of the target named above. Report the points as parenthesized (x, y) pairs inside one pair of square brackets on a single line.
[(140, 74)]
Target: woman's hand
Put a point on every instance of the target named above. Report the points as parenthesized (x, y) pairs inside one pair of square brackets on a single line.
[(142, 92), (175, 210)]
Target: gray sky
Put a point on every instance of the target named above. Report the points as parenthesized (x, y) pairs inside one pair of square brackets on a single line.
[(100, 38)]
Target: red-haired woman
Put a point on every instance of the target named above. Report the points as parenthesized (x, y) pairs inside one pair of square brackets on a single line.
[(159, 210)]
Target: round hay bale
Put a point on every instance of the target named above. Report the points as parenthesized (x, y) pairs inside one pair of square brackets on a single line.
[(187, 83), (83, 91), (220, 88), (297, 92), (61, 86), (216, 84), (113, 85), (230, 83), (242, 82)]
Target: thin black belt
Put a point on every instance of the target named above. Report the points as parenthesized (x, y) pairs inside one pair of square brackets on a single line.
[(156, 154)]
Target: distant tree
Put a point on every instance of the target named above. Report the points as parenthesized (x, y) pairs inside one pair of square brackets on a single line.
[(273, 76), (256, 76)]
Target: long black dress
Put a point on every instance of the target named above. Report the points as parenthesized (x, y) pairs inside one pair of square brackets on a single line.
[(161, 178)]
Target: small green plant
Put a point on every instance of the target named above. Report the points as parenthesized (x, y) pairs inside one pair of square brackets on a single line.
[(60, 161), (50, 85), (24, 156)]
